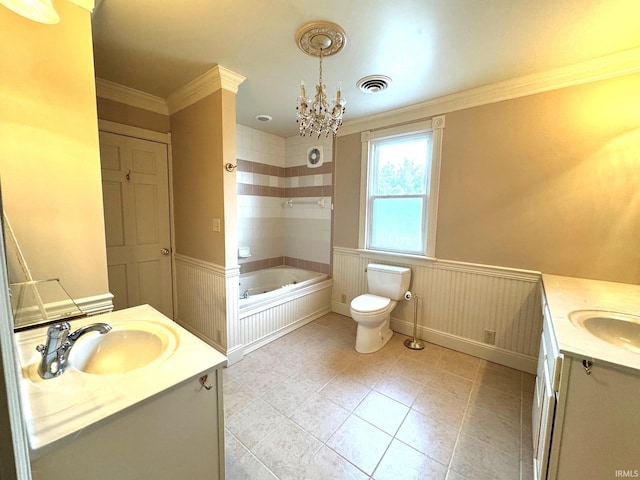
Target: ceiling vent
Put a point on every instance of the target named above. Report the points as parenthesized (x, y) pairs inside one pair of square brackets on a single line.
[(373, 83)]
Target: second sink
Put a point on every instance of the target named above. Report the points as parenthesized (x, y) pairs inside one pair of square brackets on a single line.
[(619, 329)]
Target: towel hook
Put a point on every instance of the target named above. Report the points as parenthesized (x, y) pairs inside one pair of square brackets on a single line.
[(229, 167), (203, 382)]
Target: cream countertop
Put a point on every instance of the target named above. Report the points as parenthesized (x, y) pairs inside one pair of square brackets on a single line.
[(58, 408), (567, 294)]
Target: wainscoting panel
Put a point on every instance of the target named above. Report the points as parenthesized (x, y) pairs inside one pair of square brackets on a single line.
[(261, 325), (457, 303), (208, 307), (202, 301)]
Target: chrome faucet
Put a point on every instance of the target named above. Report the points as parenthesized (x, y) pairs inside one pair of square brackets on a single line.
[(245, 294), (59, 342)]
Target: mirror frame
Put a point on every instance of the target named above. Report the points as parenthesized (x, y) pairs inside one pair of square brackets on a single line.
[(15, 459)]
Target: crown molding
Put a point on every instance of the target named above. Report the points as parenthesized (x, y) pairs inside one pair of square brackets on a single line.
[(129, 96), (602, 68), (218, 78)]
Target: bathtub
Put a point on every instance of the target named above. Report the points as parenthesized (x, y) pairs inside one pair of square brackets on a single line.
[(262, 284), (276, 301)]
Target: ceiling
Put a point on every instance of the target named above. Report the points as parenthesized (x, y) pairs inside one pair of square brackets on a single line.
[(429, 48)]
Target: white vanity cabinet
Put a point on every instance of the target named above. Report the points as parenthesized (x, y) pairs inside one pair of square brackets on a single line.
[(178, 433), (122, 420), (545, 394), (596, 432), (586, 405)]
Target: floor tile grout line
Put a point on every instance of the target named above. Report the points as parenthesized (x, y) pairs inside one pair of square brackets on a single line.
[(455, 445), (396, 356), (252, 453)]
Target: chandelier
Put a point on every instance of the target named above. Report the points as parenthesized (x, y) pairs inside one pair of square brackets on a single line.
[(316, 116), (41, 11)]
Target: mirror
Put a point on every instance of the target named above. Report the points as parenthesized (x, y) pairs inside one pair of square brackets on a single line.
[(14, 456), (33, 301)]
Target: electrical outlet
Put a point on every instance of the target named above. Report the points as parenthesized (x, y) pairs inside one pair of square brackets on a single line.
[(490, 336), (215, 224)]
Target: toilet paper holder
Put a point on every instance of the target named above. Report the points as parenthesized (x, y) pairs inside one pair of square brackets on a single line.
[(413, 343)]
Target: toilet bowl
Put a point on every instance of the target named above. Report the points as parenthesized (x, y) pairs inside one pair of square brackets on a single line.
[(372, 314), (372, 311)]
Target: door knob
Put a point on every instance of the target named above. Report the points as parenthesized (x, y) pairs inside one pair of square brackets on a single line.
[(165, 251)]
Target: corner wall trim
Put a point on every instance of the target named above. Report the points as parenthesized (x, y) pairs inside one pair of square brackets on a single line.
[(218, 78), (610, 66), (130, 96)]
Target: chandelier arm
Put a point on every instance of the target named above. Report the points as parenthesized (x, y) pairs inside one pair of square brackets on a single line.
[(315, 115)]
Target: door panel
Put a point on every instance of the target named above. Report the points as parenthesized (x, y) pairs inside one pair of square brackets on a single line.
[(114, 223), (136, 205), (118, 285)]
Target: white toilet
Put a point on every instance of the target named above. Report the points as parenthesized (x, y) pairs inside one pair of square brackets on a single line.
[(372, 311)]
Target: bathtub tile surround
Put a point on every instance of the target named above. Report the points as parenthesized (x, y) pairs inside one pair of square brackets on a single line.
[(292, 182), (396, 413), (270, 171)]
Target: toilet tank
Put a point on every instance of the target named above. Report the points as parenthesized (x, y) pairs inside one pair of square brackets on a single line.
[(388, 280)]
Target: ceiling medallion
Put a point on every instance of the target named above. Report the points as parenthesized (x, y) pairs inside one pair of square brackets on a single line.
[(315, 115), (325, 36)]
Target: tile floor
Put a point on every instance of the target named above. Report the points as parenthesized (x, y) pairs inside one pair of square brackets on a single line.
[(308, 406)]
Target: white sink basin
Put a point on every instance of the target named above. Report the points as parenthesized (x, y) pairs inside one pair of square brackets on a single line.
[(128, 346), (619, 329)]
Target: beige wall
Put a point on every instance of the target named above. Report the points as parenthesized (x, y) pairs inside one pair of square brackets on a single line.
[(49, 156), (133, 116), (548, 182), (203, 140), (347, 191), (228, 155)]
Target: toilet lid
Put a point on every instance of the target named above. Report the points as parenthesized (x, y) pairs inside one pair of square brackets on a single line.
[(370, 303)]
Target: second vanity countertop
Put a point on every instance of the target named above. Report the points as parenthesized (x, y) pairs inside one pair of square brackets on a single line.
[(567, 294), (61, 407)]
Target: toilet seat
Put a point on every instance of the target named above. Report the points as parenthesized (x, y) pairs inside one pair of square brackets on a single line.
[(369, 304)]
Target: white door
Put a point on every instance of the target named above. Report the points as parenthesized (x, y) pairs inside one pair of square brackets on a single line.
[(135, 189)]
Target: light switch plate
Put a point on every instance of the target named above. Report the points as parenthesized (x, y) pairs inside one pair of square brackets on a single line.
[(215, 225)]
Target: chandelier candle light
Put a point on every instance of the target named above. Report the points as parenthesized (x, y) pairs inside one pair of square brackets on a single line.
[(315, 115)]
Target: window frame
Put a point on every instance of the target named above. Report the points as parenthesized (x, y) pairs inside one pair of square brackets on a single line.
[(434, 126)]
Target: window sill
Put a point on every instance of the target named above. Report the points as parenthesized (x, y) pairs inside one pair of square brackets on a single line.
[(401, 257)]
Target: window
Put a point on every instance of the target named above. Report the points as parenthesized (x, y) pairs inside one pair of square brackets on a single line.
[(400, 188)]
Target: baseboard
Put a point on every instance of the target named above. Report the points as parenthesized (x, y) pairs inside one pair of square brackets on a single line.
[(341, 308), (235, 354), (487, 352)]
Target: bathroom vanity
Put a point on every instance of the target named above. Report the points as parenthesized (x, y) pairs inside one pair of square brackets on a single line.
[(586, 400), (145, 404)]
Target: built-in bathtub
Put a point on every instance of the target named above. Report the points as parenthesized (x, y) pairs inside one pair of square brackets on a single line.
[(276, 301)]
